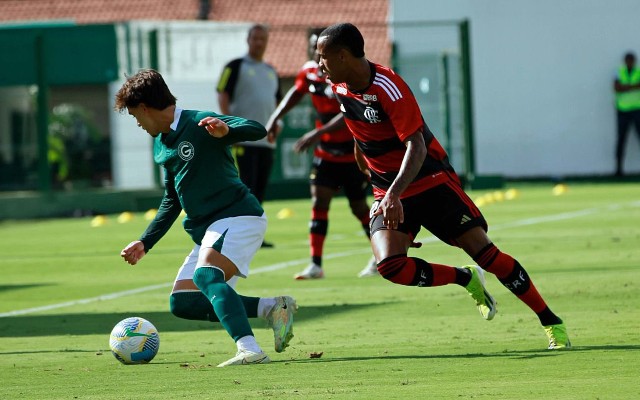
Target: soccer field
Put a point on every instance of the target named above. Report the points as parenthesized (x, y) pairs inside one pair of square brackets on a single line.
[(64, 287)]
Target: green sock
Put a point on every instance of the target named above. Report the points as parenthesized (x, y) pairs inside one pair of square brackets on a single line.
[(196, 306), (227, 305)]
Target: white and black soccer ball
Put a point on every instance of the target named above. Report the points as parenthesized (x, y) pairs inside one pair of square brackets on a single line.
[(134, 340)]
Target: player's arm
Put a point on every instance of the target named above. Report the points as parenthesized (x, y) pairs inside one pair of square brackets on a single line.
[(390, 206), (239, 129), (168, 212), (223, 102), (313, 136), (411, 163), (227, 84), (290, 100)]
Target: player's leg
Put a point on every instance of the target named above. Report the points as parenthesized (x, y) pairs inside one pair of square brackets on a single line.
[(322, 190), (390, 248), (188, 302), (227, 248), (476, 243), (356, 188), (441, 210)]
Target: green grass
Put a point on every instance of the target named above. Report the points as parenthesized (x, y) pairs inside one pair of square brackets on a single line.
[(379, 340)]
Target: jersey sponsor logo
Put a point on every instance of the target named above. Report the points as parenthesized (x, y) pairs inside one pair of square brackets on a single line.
[(371, 115), (341, 90), (186, 151), (369, 97)]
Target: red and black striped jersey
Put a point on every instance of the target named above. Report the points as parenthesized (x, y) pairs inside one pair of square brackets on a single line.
[(380, 118), (335, 146)]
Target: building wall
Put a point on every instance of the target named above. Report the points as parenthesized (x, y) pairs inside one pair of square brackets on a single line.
[(191, 56), (542, 74)]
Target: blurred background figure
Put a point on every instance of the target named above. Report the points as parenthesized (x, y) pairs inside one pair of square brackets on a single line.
[(627, 88), (334, 165), (250, 88)]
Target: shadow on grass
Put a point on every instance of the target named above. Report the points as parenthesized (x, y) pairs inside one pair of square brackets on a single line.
[(6, 288), (515, 354), (90, 324)]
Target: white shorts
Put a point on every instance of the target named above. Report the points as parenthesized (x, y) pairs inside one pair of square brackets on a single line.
[(243, 236)]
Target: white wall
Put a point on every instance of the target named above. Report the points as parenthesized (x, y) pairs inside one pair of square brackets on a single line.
[(191, 57), (542, 75)]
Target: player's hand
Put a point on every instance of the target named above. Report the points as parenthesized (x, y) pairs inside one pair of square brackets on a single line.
[(214, 126), (133, 252), (273, 130), (391, 210), (307, 140)]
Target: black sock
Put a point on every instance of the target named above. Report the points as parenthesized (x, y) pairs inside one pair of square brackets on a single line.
[(547, 317)]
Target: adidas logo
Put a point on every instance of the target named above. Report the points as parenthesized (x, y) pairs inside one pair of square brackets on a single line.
[(465, 219)]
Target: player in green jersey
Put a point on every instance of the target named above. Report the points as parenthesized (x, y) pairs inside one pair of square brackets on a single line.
[(226, 222)]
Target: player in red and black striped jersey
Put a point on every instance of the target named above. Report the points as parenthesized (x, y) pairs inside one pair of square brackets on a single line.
[(415, 186), (334, 166)]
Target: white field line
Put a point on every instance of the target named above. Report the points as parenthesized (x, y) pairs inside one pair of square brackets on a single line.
[(291, 263)]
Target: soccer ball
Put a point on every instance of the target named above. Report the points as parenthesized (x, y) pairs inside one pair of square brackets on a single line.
[(134, 341)]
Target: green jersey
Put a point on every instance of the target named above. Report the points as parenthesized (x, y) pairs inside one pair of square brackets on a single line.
[(200, 175)]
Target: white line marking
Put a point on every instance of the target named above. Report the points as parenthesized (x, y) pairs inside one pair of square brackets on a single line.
[(286, 264), (84, 301)]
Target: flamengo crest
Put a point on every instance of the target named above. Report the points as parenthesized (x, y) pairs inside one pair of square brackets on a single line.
[(371, 115)]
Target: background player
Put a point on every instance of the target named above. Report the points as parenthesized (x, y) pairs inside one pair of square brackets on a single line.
[(249, 88), (414, 185), (224, 219), (334, 166)]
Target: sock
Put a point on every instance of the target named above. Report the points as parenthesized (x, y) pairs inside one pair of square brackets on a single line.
[(265, 305), (411, 271), (317, 233), (196, 306), (227, 305), (248, 343), (463, 276), (514, 277)]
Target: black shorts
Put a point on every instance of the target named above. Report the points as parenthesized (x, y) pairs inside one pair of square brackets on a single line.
[(444, 210), (340, 175)]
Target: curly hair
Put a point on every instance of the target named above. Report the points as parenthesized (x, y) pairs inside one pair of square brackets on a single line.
[(148, 87)]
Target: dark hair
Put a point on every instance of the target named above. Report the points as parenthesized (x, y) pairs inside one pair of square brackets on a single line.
[(315, 31), (148, 87), (630, 56), (344, 35), (257, 27)]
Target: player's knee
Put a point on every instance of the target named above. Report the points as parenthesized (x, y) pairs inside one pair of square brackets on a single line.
[(397, 269), (206, 275)]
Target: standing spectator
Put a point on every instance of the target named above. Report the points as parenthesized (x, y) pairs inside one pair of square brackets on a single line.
[(334, 166), (224, 220), (414, 185), (627, 88), (250, 88)]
